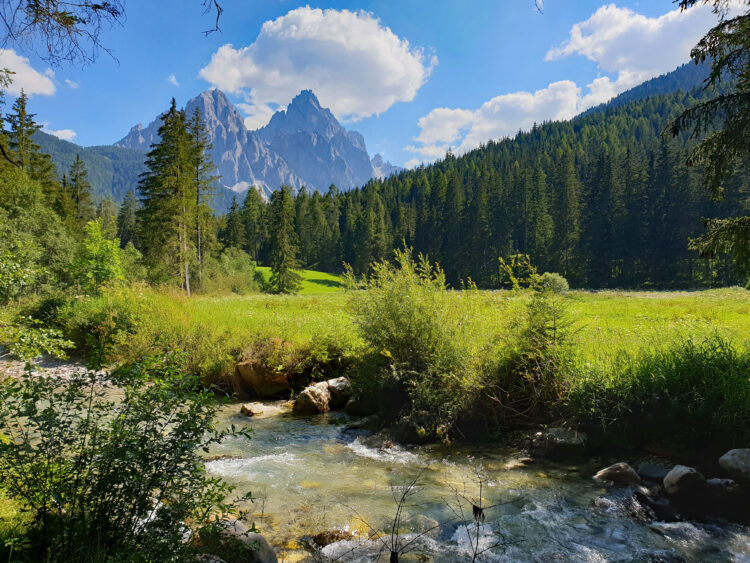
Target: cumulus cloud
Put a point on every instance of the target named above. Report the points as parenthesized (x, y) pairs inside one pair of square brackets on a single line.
[(26, 78), (628, 48), (172, 79), (72, 85), (354, 64), (64, 134)]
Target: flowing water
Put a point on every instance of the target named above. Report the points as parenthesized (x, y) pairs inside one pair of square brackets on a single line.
[(313, 474)]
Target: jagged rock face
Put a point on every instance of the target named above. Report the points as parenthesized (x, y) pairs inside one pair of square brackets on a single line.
[(303, 145), (382, 168), (316, 146)]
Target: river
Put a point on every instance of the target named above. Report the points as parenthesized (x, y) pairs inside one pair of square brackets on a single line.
[(314, 474)]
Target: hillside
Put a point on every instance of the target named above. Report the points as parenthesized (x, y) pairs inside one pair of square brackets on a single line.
[(603, 199)]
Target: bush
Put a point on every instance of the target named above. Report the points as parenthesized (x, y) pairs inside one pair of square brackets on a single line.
[(233, 272), (694, 393), (108, 479), (413, 333), (554, 283)]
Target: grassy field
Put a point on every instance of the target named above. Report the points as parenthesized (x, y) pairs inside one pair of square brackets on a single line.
[(605, 324), (313, 282)]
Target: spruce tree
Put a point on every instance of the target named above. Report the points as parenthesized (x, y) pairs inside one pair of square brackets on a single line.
[(80, 189), (27, 153), (204, 182), (127, 220), (167, 219), (254, 223), (283, 243), (233, 234)]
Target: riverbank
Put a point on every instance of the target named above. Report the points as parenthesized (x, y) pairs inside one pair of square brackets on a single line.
[(636, 367)]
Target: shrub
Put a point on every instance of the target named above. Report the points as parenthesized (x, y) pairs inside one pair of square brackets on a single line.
[(413, 332), (554, 283), (99, 259), (233, 272), (111, 479)]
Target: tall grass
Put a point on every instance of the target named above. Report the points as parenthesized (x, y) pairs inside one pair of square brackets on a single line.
[(615, 341)]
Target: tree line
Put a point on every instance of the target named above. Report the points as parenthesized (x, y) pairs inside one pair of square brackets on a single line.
[(605, 199)]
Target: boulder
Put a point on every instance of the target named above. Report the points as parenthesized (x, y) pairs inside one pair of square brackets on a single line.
[(360, 406), (340, 390), (315, 399), (737, 464), (260, 550), (251, 409), (619, 474), (252, 379), (682, 479), (559, 443), (651, 471)]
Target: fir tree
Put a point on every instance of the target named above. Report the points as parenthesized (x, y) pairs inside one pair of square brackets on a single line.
[(233, 234), (127, 220), (80, 189), (167, 220), (283, 243)]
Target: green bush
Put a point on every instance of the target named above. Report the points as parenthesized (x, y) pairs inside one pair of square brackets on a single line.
[(415, 343), (552, 282), (111, 479), (233, 272), (694, 393)]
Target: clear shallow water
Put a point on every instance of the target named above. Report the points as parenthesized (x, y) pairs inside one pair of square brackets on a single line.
[(312, 474)]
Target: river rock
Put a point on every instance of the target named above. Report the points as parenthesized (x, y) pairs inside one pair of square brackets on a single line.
[(559, 443), (651, 471), (340, 390), (260, 550), (426, 526), (682, 479), (251, 409), (360, 406), (315, 399), (253, 379), (737, 464), (619, 474)]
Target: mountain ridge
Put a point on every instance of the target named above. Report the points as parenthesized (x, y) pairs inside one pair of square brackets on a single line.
[(302, 145)]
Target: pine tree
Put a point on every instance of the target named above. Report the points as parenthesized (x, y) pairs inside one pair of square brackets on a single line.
[(204, 182), (80, 189), (254, 223), (127, 220), (283, 243), (27, 153), (167, 220), (233, 234)]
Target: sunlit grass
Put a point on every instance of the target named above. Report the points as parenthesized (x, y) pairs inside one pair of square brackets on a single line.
[(313, 282)]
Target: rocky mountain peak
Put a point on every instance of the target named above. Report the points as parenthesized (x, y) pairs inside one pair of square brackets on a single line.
[(303, 145)]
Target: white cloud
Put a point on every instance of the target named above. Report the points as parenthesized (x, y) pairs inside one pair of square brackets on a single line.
[(64, 134), (72, 85), (627, 46), (354, 64), (26, 78), (172, 79)]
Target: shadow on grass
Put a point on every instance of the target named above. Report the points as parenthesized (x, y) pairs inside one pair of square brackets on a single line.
[(325, 282)]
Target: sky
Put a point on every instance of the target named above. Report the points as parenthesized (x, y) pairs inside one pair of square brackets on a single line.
[(415, 77)]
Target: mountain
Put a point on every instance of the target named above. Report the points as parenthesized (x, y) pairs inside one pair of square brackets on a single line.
[(303, 145), (113, 171), (384, 169), (242, 159), (686, 78)]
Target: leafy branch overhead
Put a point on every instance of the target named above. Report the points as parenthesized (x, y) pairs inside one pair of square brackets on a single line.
[(67, 32), (722, 122)]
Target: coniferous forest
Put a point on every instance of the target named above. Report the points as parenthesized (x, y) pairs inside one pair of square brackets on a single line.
[(605, 199)]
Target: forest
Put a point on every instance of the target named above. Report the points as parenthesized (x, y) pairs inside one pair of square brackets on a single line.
[(485, 332)]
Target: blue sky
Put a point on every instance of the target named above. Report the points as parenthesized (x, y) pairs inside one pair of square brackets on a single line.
[(415, 77)]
